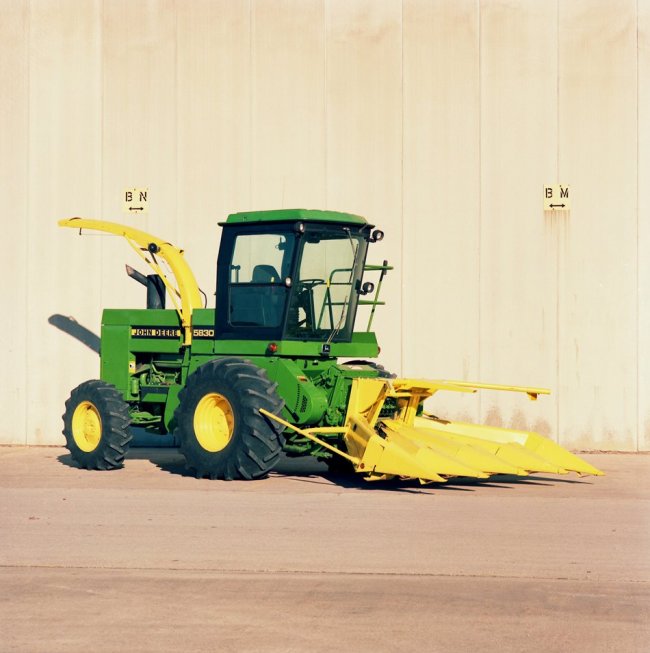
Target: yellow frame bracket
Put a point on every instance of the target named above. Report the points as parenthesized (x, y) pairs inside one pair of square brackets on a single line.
[(310, 434)]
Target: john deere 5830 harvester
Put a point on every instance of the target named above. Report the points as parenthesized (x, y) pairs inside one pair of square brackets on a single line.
[(261, 374)]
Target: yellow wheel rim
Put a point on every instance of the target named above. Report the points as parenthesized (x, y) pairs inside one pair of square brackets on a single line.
[(214, 422), (86, 426)]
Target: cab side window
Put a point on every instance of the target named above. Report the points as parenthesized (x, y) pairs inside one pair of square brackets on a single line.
[(257, 289)]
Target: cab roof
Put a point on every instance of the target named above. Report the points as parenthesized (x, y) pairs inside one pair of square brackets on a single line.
[(292, 215)]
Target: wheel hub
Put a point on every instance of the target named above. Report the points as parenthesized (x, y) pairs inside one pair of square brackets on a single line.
[(214, 422), (86, 426)]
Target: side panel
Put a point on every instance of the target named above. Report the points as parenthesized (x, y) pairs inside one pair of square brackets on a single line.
[(130, 335), (304, 403), (363, 345), (115, 357)]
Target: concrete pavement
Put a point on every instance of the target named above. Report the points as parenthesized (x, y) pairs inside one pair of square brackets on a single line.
[(149, 559)]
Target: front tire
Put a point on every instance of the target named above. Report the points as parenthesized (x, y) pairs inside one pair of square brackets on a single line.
[(96, 426), (220, 429)]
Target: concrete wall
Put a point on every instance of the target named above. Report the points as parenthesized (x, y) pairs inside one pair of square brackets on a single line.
[(440, 120)]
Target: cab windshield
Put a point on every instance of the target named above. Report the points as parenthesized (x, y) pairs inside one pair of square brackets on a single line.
[(323, 297)]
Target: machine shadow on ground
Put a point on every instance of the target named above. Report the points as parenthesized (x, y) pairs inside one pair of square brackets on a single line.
[(309, 470)]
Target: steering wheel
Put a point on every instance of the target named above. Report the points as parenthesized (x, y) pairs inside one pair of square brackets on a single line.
[(306, 286), (311, 283)]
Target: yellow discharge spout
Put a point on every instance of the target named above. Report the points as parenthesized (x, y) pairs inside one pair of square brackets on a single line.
[(186, 297)]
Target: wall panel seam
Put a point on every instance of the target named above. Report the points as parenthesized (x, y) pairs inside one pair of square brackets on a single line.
[(102, 195), (638, 251), (402, 243), (251, 101), (480, 198), (325, 112), (27, 22), (557, 234), (177, 217)]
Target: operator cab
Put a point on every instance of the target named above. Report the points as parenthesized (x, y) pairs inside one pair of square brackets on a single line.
[(291, 275)]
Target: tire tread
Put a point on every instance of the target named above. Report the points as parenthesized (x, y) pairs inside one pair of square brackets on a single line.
[(257, 442), (114, 413)]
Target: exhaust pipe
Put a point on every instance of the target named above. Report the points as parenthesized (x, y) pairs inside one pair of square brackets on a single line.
[(154, 285)]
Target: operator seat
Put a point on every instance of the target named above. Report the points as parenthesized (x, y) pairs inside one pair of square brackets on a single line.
[(265, 274)]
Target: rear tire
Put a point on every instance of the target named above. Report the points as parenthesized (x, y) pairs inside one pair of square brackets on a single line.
[(219, 427), (96, 426)]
